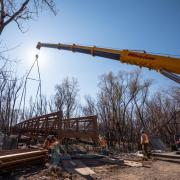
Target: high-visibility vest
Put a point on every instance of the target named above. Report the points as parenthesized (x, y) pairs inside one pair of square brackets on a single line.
[(103, 143), (49, 144), (144, 138)]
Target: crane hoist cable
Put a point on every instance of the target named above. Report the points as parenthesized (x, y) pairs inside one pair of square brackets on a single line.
[(23, 96)]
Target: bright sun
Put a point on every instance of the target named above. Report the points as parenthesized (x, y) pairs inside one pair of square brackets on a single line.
[(42, 57)]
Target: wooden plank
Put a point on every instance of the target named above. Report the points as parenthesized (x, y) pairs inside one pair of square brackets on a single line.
[(171, 155), (133, 163), (25, 153), (77, 166), (168, 159), (112, 160), (82, 169)]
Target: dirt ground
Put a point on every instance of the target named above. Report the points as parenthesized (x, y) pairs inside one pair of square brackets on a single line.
[(156, 170), (152, 170)]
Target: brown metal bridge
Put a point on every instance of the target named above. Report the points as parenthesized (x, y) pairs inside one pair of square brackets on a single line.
[(83, 128)]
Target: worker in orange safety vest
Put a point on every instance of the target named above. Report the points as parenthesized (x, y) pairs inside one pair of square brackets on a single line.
[(50, 140), (52, 145), (145, 144), (102, 142), (103, 145)]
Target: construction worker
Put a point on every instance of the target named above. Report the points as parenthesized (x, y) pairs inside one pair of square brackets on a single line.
[(178, 143), (102, 142), (103, 145), (145, 143), (49, 141), (52, 144)]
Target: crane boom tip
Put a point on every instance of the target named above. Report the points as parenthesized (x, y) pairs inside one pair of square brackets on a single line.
[(38, 46)]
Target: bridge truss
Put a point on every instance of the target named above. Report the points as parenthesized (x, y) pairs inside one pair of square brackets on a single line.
[(83, 128)]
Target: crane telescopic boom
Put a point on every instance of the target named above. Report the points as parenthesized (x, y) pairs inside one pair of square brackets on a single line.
[(164, 64)]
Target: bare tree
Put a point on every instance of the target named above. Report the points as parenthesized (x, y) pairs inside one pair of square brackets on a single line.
[(162, 114), (9, 91), (36, 108), (112, 105), (118, 99), (19, 11), (66, 97), (90, 107)]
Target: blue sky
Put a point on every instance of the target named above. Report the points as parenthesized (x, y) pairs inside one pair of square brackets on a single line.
[(153, 26)]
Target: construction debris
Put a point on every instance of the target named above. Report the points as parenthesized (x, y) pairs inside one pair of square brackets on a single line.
[(72, 160), (133, 163), (112, 161)]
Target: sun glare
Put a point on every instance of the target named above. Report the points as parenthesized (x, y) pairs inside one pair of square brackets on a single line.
[(42, 57)]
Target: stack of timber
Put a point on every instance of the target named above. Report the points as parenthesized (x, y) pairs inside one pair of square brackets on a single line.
[(20, 158)]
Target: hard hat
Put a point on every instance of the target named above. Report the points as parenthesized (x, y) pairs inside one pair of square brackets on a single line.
[(50, 137)]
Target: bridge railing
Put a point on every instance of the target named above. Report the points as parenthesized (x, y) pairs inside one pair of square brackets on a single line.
[(81, 127)]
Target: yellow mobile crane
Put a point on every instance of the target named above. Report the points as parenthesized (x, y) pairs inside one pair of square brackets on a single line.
[(166, 65)]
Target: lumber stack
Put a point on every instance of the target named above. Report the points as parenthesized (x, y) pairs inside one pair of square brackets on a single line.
[(19, 158)]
